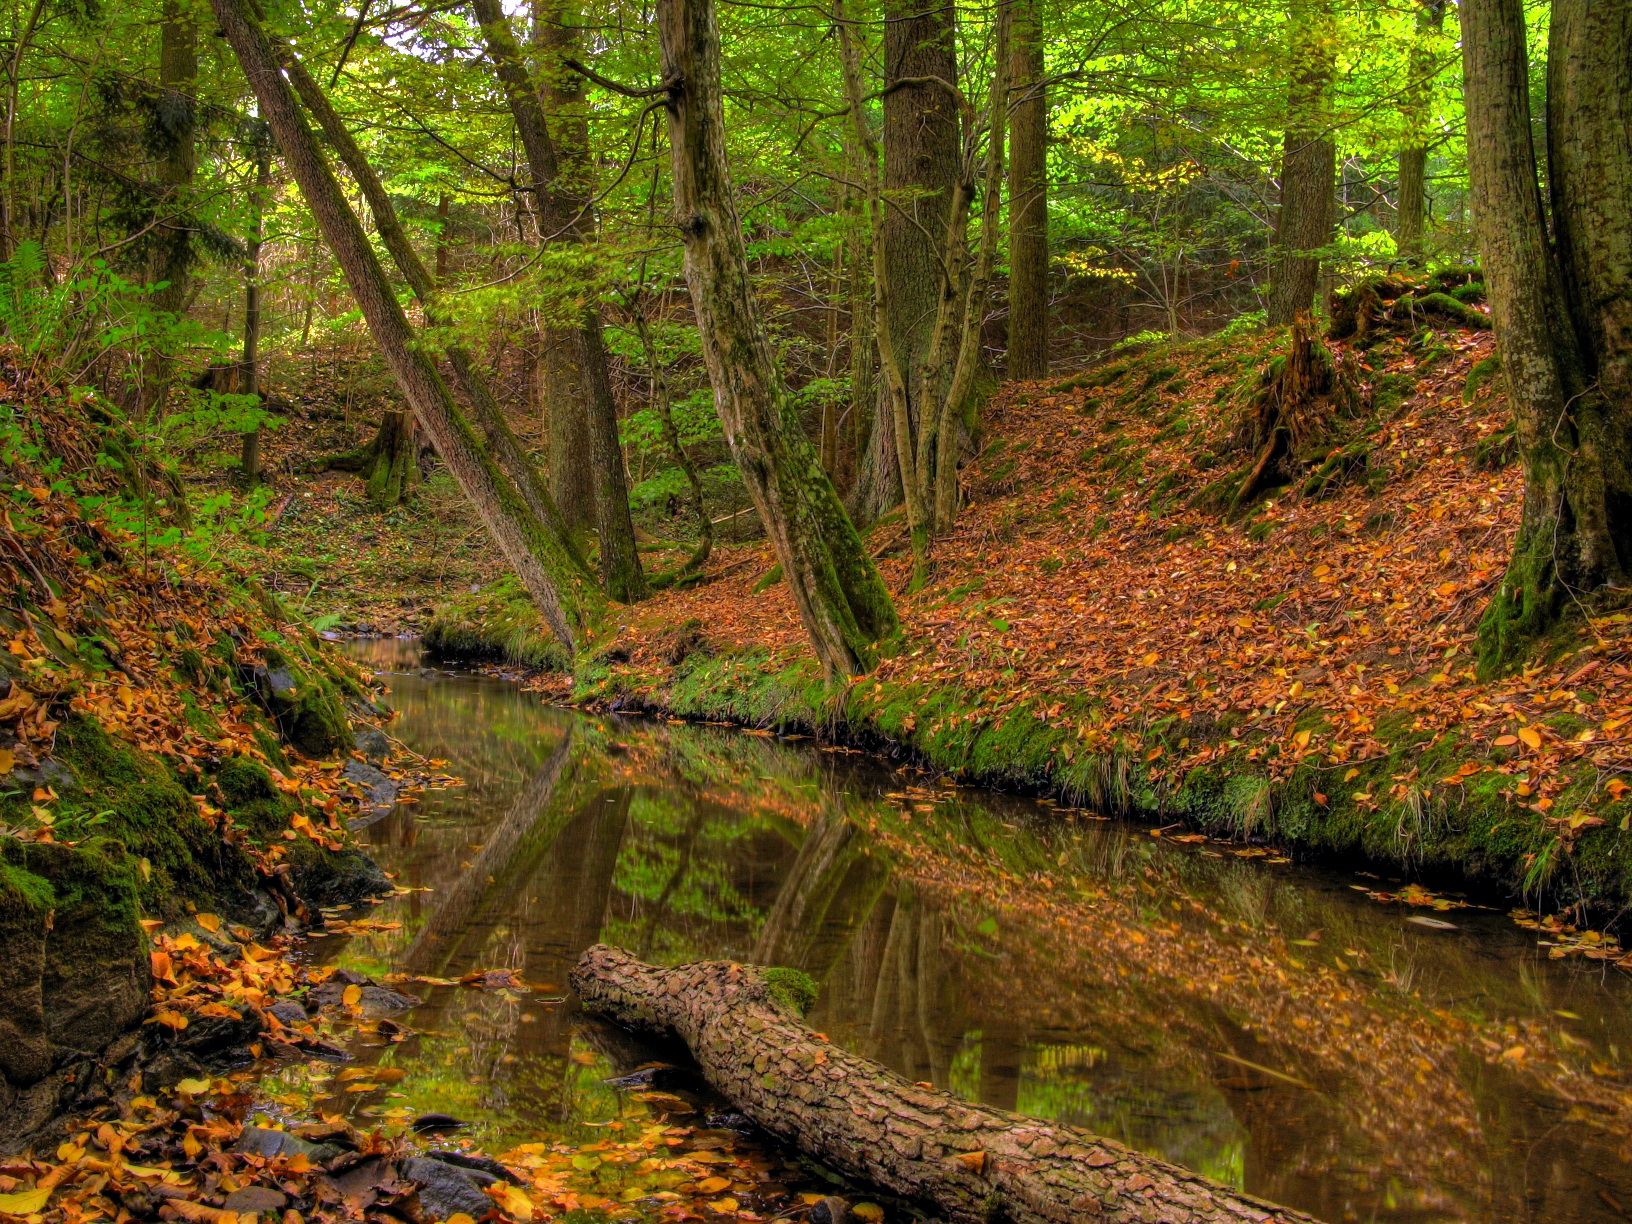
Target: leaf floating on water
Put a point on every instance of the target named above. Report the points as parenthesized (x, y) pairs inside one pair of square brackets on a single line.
[(1432, 923)]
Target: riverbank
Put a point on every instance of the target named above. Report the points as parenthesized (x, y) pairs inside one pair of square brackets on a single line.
[(1106, 624), (178, 752)]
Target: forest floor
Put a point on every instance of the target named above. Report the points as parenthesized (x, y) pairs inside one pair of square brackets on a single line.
[(1104, 624)]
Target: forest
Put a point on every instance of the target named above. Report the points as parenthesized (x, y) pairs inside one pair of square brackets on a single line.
[(860, 612)]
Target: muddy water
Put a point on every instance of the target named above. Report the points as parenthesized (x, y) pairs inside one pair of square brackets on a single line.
[(1265, 1023)]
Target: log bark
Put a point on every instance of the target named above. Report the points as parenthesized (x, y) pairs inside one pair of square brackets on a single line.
[(973, 1164), (841, 598)]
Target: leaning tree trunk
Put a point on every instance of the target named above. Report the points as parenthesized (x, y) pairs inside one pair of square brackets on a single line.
[(1028, 200), (501, 439), (922, 156), (1308, 164), (841, 599), (544, 568), (1564, 323), (973, 1164)]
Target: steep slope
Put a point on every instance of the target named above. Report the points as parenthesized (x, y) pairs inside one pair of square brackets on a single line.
[(1226, 582)]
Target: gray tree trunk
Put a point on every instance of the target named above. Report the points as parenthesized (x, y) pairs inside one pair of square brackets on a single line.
[(922, 148), (1308, 164), (1563, 320)]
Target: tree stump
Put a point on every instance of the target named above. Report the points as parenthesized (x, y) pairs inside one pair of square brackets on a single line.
[(974, 1165)]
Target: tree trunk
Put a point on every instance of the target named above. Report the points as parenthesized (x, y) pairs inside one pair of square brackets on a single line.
[(249, 370), (391, 469), (544, 568), (1564, 324), (1308, 164), (1028, 200), (840, 596), (973, 1164), (566, 215), (921, 139), (561, 394), (501, 439), (172, 251), (1412, 205)]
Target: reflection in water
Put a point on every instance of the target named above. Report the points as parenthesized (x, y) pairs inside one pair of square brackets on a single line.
[(1264, 1024)]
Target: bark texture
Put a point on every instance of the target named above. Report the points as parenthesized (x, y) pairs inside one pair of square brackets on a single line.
[(1308, 164), (974, 1164), (1562, 311), (1028, 199), (172, 243), (841, 599), (922, 159), (543, 567)]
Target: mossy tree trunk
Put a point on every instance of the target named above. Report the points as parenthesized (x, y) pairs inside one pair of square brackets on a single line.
[(1562, 310), (970, 1163), (544, 567), (922, 135), (841, 598), (1308, 163), (172, 249), (391, 463), (249, 369)]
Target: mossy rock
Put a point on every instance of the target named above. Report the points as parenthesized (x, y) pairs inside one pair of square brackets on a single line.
[(76, 972), (304, 704)]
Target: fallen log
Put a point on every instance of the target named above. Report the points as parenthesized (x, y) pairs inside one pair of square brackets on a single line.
[(972, 1164)]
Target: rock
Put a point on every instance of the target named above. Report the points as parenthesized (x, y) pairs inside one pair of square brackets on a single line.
[(379, 790), (445, 1190), (289, 1013), (430, 1122), (373, 998), (476, 1164), (256, 1199), (209, 1035), (266, 1143), (372, 743)]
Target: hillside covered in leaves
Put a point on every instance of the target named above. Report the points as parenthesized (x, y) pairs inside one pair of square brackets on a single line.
[(1113, 620), (173, 743)]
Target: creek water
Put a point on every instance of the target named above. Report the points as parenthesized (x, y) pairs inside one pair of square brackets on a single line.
[(1266, 1023)]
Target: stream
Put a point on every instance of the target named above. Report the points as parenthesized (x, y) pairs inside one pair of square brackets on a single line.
[(1266, 1023)]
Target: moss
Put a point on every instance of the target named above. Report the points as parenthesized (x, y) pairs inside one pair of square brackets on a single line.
[(793, 989), (1481, 374), (127, 796)]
